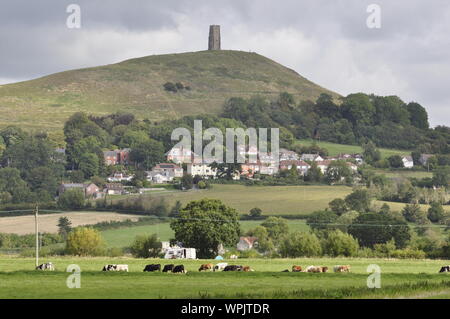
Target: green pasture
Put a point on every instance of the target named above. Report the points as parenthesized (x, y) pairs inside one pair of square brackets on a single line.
[(336, 149), (123, 237), (399, 278), (273, 200)]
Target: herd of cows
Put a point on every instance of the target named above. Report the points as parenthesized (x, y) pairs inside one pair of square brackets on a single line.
[(218, 267)]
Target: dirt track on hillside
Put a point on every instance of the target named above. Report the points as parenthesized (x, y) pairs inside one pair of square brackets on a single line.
[(48, 223)]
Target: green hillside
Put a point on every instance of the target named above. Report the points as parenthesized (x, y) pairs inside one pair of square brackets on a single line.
[(136, 86)]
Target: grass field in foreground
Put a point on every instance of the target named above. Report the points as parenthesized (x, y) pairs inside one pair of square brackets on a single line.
[(273, 200), (399, 278), (123, 237)]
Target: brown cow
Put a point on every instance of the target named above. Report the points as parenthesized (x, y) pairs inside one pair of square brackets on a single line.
[(316, 269), (205, 267), (345, 268), (296, 268)]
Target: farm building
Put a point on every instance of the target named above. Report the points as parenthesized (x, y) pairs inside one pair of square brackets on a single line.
[(246, 243)]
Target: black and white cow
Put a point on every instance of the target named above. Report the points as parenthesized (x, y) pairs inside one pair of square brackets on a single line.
[(152, 267), (445, 269), (46, 266), (179, 269), (233, 268), (168, 268)]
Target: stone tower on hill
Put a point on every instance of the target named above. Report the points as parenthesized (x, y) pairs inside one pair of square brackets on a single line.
[(214, 37)]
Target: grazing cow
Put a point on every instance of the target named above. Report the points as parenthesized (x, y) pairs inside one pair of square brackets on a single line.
[(46, 266), (179, 269), (168, 268), (205, 267), (316, 269), (122, 268), (341, 268), (233, 268), (445, 269), (152, 267), (296, 268), (220, 266), (115, 268), (247, 268)]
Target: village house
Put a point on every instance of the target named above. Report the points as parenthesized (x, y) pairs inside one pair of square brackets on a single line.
[(201, 169), (120, 177), (424, 158), (249, 169), (117, 157), (89, 190), (302, 167), (181, 155), (323, 165), (246, 243), (407, 161), (311, 157), (172, 169), (114, 189), (287, 155)]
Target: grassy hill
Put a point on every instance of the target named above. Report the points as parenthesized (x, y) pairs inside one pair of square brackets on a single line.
[(136, 86)]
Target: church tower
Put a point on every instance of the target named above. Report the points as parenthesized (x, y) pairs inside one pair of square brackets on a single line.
[(214, 37)]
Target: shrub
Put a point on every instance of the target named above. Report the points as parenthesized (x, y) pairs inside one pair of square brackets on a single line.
[(85, 241), (300, 244), (408, 253), (146, 246), (337, 243), (255, 212), (71, 199)]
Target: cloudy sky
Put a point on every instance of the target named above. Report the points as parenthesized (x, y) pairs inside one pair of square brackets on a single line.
[(327, 41)]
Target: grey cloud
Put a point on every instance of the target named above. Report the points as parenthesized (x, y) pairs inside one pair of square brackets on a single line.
[(327, 41)]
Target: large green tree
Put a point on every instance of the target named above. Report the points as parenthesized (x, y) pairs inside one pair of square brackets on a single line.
[(205, 224)]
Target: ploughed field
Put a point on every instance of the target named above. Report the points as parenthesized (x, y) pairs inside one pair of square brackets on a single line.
[(399, 279)]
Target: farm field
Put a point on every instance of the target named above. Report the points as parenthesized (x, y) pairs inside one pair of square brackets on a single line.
[(399, 279), (273, 200), (336, 149), (123, 237), (48, 223), (403, 173)]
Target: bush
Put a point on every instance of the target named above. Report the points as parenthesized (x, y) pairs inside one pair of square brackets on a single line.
[(300, 244), (255, 212), (146, 246), (337, 243), (85, 241), (408, 253)]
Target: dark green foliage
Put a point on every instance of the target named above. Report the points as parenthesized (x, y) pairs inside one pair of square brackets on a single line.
[(300, 244), (395, 161), (436, 212), (358, 200), (379, 228), (146, 246), (64, 226), (255, 212), (338, 206), (204, 224), (71, 199), (320, 220)]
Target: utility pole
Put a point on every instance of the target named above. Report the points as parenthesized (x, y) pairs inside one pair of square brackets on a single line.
[(36, 212)]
